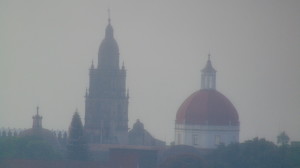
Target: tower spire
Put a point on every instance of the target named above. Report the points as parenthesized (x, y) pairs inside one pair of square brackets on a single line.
[(208, 76), (108, 55), (86, 93), (127, 94), (108, 12), (123, 66), (37, 110), (92, 66), (37, 119)]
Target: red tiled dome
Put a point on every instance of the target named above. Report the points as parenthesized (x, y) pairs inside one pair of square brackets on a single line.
[(207, 107)]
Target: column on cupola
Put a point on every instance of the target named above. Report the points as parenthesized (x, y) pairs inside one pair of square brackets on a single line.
[(37, 119)]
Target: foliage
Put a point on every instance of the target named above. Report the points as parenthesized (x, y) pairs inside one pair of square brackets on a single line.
[(76, 147), (257, 153), (29, 147), (184, 161)]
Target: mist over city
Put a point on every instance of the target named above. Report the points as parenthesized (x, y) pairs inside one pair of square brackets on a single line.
[(165, 67)]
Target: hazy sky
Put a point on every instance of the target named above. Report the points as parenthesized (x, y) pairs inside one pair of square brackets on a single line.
[(46, 49)]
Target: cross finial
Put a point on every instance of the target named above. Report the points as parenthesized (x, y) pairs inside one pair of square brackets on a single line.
[(123, 66), (86, 93), (37, 110), (209, 56), (92, 66), (108, 11)]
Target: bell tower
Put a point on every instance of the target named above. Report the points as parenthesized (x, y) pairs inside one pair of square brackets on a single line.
[(106, 100)]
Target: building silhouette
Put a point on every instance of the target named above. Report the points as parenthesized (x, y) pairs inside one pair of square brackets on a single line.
[(205, 120), (106, 102)]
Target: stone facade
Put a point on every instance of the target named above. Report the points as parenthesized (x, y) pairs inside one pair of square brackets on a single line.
[(205, 136)]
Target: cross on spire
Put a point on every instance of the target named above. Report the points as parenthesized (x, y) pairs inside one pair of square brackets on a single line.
[(37, 110), (108, 12), (37, 119), (208, 76)]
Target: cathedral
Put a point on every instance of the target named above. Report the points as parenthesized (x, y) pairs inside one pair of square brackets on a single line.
[(204, 120)]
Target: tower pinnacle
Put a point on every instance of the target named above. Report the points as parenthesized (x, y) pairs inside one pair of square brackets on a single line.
[(108, 12), (108, 55), (92, 66), (37, 119), (37, 110), (208, 76)]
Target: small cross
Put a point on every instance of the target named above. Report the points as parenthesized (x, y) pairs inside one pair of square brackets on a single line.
[(37, 110)]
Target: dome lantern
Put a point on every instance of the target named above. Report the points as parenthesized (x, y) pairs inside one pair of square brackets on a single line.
[(208, 76), (207, 118), (37, 119)]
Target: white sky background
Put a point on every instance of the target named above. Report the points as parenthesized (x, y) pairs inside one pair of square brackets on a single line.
[(46, 49)]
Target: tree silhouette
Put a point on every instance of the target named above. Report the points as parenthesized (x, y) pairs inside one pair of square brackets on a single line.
[(76, 147), (28, 147), (258, 153)]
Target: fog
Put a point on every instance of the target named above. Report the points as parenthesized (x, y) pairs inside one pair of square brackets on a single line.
[(47, 47)]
